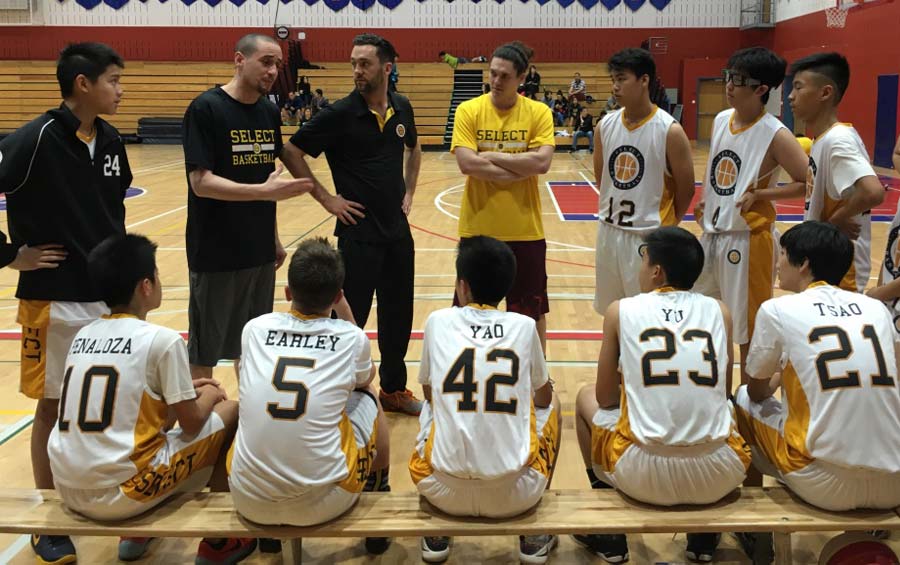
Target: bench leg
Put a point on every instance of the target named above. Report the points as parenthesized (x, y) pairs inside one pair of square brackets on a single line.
[(782, 548), (292, 551)]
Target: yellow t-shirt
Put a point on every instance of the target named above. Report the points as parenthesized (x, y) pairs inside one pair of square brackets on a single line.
[(506, 211)]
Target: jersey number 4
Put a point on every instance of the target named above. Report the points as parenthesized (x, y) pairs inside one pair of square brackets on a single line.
[(464, 367)]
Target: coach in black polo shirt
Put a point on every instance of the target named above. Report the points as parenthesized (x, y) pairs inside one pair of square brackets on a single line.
[(364, 137)]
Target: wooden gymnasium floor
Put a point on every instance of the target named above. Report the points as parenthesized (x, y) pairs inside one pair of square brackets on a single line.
[(160, 214)]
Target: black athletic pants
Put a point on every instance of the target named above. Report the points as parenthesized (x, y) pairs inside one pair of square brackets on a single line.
[(386, 270)]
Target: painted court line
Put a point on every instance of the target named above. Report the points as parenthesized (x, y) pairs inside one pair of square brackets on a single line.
[(14, 429), (14, 549)]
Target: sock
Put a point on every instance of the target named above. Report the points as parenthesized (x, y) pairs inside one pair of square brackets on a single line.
[(378, 481), (595, 482)]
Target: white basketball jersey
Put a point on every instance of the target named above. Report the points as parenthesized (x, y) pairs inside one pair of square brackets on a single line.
[(633, 188), (839, 375), (890, 266), (122, 373), (837, 160), (673, 354), (297, 374), (483, 366), (735, 159)]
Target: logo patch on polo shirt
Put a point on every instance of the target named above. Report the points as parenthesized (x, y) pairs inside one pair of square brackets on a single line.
[(401, 130)]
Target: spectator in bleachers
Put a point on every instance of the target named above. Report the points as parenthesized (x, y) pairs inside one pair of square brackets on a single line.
[(584, 128), (577, 89), (304, 90), (486, 88), (291, 109), (305, 116), (560, 108), (454, 62), (611, 103), (319, 101), (548, 99), (394, 77), (532, 83)]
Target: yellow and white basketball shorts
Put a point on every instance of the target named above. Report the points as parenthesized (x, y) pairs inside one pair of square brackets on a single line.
[(495, 498), (822, 484), (182, 464), (308, 506), (857, 276), (666, 475), (738, 270), (617, 265), (48, 329)]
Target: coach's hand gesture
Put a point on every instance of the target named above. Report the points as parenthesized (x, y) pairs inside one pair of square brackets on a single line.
[(46, 256), (276, 188), (344, 209)]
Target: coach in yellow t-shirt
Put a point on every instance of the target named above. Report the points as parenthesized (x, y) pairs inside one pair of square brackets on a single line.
[(502, 142)]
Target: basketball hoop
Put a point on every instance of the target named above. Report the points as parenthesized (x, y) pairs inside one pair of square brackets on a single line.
[(836, 16)]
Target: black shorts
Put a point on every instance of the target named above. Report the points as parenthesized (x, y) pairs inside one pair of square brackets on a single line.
[(528, 295), (221, 303)]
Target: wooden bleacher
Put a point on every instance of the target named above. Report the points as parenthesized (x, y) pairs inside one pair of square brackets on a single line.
[(164, 89), (774, 509)]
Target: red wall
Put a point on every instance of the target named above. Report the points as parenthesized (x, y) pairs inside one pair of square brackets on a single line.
[(870, 44), (332, 44), (693, 69)]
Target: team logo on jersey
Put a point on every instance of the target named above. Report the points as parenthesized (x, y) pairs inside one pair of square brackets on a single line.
[(892, 253), (897, 323), (401, 130), (734, 256), (626, 167), (724, 172), (642, 249), (257, 148), (810, 180)]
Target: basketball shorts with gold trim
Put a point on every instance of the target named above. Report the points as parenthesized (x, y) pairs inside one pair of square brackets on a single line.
[(739, 271), (182, 464), (822, 484), (666, 475), (308, 506), (496, 498), (48, 329)]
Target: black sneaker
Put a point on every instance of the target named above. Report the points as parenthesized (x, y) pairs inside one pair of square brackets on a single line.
[(53, 550), (377, 546), (435, 549), (612, 548), (702, 547), (758, 546), (269, 545)]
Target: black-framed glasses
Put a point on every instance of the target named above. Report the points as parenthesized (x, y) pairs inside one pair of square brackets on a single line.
[(739, 79)]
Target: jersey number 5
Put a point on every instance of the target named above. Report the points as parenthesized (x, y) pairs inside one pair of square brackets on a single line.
[(465, 366), (301, 393)]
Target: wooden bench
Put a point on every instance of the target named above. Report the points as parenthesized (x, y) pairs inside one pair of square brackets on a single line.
[(26, 511)]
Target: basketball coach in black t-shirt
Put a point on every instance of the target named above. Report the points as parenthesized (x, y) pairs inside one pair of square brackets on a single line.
[(231, 137), (364, 137)]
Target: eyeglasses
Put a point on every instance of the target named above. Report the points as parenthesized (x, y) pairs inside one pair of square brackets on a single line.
[(738, 79)]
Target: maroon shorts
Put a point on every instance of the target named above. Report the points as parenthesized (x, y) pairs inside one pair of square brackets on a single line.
[(528, 295)]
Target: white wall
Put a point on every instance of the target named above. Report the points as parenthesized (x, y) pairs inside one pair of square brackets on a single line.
[(409, 14), (787, 9)]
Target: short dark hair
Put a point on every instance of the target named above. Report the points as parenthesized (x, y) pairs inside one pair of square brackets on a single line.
[(516, 53), (442, 53), (638, 61), (678, 252), (248, 44), (488, 265), (118, 264), (383, 48), (315, 275), (760, 63), (829, 252), (88, 59), (833, 66)]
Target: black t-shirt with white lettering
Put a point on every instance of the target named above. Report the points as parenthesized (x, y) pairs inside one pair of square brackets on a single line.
[(238, 142)]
